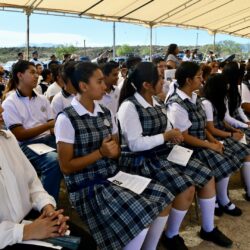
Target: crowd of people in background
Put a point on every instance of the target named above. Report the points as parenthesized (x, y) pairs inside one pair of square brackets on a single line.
[(104, 120)]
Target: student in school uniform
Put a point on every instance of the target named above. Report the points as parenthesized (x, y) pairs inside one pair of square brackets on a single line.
[(110, 99), (215, 92), (57, 85), (245, 91), (31, 120), (63, 99), (88, 149), (42, 87), (144, 128), (235, 115), (185, 112)]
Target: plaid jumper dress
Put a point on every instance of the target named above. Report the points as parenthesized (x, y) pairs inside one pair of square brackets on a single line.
[(153, 163), (237, 148), (113, 214), (222, 165)]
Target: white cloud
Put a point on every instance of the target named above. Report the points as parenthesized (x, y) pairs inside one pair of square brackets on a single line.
[(12, 39)]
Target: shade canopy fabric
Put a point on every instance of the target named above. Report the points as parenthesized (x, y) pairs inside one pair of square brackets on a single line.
[(217, 16)]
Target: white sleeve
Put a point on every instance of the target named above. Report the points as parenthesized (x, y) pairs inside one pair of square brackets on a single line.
[(115, 128), (132, 130), (11, 115), (38, 89), (178, 117), (64, 130), (56, 105), (232, 121), (10, 233), (208, 108), (242, 115), (50, 113), (245, 93), (39, 197)]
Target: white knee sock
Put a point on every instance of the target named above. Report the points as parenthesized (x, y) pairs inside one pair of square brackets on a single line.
[(246, 175), (154, 233), (207, 213), (174, 222), (137, 242), (221, 192)]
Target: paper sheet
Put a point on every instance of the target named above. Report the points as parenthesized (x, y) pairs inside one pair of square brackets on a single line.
[(243, 140), (135, 183), (41, 148), (180, 155), (169, 74), (40, 243)]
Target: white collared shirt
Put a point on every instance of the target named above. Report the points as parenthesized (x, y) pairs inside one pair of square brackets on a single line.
[(234, 122), (131, 126), (245, 93), (177, 115), (60, 102), (27, 112), (110, 100), (52, 90), (64, 130), (20, 191), (208, 108)]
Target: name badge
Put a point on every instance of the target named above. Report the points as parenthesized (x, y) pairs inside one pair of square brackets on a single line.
[(106, 123)]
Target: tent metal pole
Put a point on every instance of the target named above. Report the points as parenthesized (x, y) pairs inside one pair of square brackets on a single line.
[(214, 42), (28, 33), (114, 40), (150, 47)]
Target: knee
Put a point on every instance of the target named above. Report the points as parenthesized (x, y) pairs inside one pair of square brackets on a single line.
[(190, 193)]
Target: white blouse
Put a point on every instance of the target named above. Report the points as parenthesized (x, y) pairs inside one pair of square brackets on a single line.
[(64, 130), (20, 190), (131, 126)]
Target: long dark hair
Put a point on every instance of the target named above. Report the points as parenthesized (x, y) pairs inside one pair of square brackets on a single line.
[(171, 50), (247, 75), (82, 73), (215, 90), (143, 72), (184, 71), (231, 71)]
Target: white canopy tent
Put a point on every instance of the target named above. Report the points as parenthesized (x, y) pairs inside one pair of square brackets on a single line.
[(217, 16)]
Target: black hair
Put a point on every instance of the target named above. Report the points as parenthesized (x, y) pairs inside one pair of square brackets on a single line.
[(215, 90), (20, 54), (55, 70), (20, 66), (171, 50), (143, 72), (231, 72), (184, 71), (38, 64), (45, 73), (108, 67), (82, 72), (247, 75), (132, 61), (157, 60), (68, 71)]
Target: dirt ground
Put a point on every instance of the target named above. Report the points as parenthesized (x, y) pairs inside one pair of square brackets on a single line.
[(237, 228)]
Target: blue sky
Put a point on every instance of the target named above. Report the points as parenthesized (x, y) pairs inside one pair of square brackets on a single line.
[(73, 31)]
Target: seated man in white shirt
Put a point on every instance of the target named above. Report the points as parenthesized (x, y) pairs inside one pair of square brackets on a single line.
[(63, 99), (111, 98), (57, 85), (31, 120), (20, 191)]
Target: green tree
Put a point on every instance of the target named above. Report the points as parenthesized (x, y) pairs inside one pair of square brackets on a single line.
[(124, 50), (61, 50), (145, 51)]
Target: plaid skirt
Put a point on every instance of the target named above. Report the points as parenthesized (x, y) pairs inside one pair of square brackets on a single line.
[(155, 165), (222, 165), (239, 149), (116, 215)]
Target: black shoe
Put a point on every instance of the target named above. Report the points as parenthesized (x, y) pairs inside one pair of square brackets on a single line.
[(246, 197), (217, 237), (218, 211), (175, 243), (233, 212)]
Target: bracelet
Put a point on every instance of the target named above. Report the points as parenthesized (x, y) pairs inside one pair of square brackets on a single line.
[(100, 152)]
